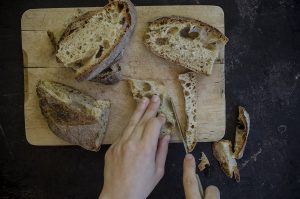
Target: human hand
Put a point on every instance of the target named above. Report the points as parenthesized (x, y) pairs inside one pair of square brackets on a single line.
[(190, 183), (135, 163)]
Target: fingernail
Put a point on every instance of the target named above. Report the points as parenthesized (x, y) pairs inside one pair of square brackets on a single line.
[(167, 137), (144, 100), (155, 98), (189, 156)]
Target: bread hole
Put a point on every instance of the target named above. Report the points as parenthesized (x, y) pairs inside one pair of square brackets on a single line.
[(146, 87), (67, 52), (168, 125), (194, 117), (120, 7), (162, 41), (172, 30), (186, 93), (188, 84), (91, 39), (148, 95), (185, 32), (80, 47), (99, 39), (147, 36), (106, 44), (122, 21), (192, 126), (100, 51)]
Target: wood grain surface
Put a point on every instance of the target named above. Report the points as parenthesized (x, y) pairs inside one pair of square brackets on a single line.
[(138, 63)]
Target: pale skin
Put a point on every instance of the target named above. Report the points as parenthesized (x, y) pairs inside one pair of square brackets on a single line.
[(135, 163)]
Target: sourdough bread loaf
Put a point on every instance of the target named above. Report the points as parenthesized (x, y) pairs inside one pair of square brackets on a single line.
[(72, 115)]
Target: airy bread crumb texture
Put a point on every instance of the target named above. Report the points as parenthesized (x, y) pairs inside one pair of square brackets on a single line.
[(188, 83), (94, 41), (187, 42), (148, 88)]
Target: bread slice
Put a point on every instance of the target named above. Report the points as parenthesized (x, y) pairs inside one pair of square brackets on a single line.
[(148, 88), (94, 40), (188, 42), (241, 133), (188, 83), (73, 116), (222, 151)]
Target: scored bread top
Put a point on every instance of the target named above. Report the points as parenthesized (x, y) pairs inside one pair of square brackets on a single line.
[(96, 37), (188, 83), (188, 42), (148, 88)]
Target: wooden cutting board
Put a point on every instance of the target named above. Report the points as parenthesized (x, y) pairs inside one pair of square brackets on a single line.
[(138, 62)]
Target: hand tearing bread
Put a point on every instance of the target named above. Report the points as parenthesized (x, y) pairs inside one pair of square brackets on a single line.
[(148, 88), (72, 115)]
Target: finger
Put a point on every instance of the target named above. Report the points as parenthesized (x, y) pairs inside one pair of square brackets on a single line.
[(161, 154), (135, 118), (212, 192), (152, 109), (190, 183), (152, 131)]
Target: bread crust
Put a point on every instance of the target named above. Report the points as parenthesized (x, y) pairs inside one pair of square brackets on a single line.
[(241, 133), (170, 19), (91, 71), (78, 127)]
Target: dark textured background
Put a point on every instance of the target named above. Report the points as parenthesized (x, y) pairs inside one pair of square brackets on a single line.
[(262, 73)]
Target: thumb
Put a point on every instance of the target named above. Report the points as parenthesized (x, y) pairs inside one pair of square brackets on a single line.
[(190, 183), (212, 192)]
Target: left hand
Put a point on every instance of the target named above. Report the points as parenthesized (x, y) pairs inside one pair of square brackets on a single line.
[(135, 163)]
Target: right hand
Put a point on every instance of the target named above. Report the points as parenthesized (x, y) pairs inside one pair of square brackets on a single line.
[(190, 183)]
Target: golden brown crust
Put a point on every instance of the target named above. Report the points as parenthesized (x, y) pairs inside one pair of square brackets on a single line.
[(168, 20), (242, 132), (119, 45), (171, 19), (222, 151)]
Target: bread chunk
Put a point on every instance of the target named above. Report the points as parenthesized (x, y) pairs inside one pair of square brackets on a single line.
[(94, 40), (72, 115), (222, 151)]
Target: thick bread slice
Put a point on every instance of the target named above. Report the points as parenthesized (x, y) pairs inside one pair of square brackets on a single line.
[(93, 41), (241, 133), (185, 41), (147, 88), (73, 116), (188, 83), (222, 151)]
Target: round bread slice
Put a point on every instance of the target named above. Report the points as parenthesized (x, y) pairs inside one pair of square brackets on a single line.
[(188, 42)]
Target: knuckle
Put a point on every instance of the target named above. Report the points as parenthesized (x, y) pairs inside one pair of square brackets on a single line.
[(129, 147)]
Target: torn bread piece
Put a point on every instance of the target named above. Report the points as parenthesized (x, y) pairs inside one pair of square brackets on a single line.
[(241, 133), (204, 165), (148, 88), (72, 115), (93, 41), (188, 82), (222, 151), (185, 41)]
